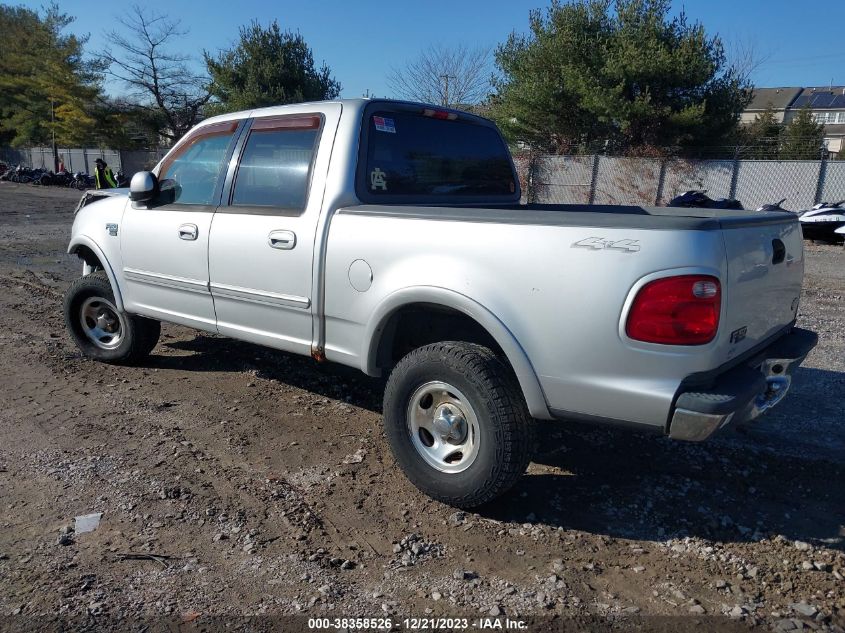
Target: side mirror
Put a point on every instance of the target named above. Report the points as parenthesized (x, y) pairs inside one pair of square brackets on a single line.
[(143, 187)]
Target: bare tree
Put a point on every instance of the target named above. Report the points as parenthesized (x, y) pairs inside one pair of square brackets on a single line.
[(168, 94), (746, 57), (444, 76)]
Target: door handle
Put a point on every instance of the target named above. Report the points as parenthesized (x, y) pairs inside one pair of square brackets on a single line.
[(284, 240), (188, 232)]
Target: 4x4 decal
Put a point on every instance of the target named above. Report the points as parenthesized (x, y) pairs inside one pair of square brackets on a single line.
[(604, 244)]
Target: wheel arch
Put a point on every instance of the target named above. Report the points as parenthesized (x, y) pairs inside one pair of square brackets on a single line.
[(84, 247), (381, 329)]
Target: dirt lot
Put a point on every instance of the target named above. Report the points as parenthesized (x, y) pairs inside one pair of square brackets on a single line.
[(235, 480)]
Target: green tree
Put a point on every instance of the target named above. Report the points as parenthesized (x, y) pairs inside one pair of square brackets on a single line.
[(267, 67), (761, 137), (47, 86), (626, 72), (802, 138)]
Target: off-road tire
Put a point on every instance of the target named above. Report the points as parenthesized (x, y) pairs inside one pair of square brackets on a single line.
[(506, 429), (139, 334)]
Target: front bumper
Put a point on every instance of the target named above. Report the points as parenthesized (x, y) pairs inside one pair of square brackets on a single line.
[(741, 393)]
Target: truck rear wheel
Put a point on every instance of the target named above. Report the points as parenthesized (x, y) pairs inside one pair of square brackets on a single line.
[(100, 330), (457, 423)]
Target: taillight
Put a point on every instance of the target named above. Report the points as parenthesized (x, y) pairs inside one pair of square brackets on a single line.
[(681, 310)]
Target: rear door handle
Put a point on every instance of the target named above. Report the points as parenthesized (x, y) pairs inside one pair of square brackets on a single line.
[(188, 232), (284, 240)]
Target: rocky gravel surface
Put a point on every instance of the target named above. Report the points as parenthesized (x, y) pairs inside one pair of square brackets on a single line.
[(236, 481)]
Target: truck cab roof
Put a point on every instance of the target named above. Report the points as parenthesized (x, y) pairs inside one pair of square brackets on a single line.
[(356, 106)]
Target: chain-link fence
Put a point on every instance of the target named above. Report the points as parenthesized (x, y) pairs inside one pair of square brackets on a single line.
[(81, 159), (600, 179)]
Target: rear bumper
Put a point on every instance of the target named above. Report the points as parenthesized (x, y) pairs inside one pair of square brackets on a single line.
[(741, 393)]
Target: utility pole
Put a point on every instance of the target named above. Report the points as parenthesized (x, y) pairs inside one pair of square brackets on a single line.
[(53, 128), (446, 79)]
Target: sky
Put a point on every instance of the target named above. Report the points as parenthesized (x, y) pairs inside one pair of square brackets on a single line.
[(800, 44)]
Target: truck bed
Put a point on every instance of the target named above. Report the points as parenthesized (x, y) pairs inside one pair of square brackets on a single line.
[(560, 278)]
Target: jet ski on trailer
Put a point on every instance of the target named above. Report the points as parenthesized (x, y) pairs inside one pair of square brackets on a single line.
[(822, 221)]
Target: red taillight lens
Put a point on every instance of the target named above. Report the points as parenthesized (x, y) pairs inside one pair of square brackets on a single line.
[(680, 310)]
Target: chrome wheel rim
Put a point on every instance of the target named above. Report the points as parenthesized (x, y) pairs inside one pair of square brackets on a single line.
[(443, 427), (101, 322)]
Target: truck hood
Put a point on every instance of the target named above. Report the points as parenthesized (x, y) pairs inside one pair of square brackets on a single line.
[(93, 195)]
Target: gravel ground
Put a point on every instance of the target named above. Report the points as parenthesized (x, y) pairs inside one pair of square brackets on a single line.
[(238, 481)]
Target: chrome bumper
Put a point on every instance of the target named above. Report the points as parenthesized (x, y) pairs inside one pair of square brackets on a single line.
[(742, 393)]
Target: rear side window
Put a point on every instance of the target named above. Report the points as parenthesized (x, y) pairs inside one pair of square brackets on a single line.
[(196, 164), (422, 158), (276, 162)]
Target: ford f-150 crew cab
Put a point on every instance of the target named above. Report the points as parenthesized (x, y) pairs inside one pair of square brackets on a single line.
[(390, 237)]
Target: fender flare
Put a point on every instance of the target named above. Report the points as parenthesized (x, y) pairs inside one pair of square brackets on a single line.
[(525, 374), (84, 240)]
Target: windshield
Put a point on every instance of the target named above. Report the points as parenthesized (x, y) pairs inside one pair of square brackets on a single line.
[(417, 158)]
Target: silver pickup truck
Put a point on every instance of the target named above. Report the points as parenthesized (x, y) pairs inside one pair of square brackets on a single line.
[(390, 237)]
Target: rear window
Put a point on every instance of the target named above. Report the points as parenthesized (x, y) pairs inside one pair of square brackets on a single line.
[(412, 156)]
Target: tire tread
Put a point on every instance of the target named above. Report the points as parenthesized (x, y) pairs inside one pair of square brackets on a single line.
[(514, 439), (142, 333)]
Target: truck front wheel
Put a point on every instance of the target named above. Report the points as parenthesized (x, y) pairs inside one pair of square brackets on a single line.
[(100, 330), (457, 423)]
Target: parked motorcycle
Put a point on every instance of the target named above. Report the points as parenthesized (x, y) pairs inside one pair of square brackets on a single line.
[(700, 199), (21, 174), (7, 173), (62, 179), (44, 177), (82, 181), (823, 221), (41, 176)]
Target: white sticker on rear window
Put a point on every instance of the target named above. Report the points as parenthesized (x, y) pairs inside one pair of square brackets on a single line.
[(377, 180), (383, 124)]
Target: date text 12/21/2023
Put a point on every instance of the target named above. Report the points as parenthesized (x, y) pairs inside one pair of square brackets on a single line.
[(418, 624)]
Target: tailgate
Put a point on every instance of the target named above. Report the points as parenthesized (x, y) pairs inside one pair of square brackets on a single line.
[(765, 260)]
